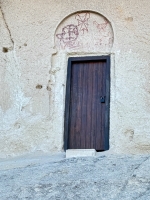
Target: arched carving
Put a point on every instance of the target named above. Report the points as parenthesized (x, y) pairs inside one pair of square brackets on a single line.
[(84, 31)]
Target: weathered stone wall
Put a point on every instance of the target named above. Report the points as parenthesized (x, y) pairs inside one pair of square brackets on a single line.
[(33, 65)]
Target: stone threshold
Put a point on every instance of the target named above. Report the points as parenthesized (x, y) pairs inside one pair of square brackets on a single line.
[(80, 153)]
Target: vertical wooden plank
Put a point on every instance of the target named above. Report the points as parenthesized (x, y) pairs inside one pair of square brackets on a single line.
[(107, 107), (79, 119), (74, 107), (95, 105), (84, 105), (103, 105), (87, 100), (98, 136), (92, 97)]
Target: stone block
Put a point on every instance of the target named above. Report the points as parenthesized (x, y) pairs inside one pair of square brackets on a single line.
[(80, 152)]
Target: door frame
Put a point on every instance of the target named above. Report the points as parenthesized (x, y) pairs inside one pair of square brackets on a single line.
[(67, 98)]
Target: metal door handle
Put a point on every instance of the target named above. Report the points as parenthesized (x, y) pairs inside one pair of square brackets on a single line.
[(102, 98)]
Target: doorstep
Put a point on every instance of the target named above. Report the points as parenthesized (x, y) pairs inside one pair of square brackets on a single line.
[(80, 153)]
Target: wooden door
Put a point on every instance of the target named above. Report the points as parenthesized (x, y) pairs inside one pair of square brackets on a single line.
[(87, 103)]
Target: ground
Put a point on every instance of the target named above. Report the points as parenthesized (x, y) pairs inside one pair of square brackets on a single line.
[(103, 177)]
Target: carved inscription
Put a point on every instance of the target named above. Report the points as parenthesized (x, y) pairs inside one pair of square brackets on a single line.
[(84, 31), (102, 26), (82, 19), (68, 35)]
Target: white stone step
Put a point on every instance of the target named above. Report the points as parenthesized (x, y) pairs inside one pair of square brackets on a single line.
[(80, 153)]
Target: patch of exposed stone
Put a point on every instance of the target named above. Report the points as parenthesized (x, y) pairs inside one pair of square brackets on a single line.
[(92, 178)]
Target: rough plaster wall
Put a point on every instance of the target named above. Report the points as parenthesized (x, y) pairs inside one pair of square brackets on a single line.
[(33, 74)]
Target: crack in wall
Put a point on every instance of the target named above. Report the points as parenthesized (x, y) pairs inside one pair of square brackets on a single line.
[(15, 70), (137, 167), (129, 178), (6, 25)]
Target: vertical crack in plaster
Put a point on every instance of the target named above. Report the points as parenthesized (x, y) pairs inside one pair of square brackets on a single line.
[(16, 72), (6, 25)]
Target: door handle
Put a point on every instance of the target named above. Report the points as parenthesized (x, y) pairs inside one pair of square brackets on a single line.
[(102, 99)]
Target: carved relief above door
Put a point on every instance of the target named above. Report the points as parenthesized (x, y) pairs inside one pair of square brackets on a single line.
[(84, 31)]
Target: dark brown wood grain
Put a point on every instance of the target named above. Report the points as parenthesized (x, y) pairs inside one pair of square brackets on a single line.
[(87, 123)]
